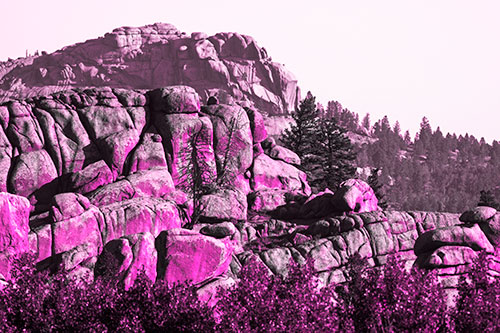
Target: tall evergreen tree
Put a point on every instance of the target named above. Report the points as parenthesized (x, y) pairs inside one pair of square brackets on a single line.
[(334, 156), (326, 153), (300, 137)]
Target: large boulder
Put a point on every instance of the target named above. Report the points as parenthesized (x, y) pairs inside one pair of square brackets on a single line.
[(127, 256), (273, 174), (139, 215), (354, 195), (479, 214), (184, 255), (175, 99), (224, 205), (32, 176), (188, 143), (233, 143), (14, 219), (469, 236)]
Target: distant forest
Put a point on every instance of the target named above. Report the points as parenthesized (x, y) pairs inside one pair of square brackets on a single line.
[(432, 171)]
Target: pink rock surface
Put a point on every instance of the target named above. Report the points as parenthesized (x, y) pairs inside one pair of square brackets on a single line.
[(77, 230), (175, 99), (90, 178), (149, 153), (233, 143), (181, 134), (284, 154), (138, 215), (30, 172), (127, 256), (259, 132), (224, 205), (68, 205), (227, 61), (14, 229), (267, 200), (472, 237), (354, 195), (185, 255), (272, 174)]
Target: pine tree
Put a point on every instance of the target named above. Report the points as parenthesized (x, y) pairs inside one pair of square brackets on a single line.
[(373, 181), (326, 153), (366, 122), (333, 152), (486, 198), (299, 138)]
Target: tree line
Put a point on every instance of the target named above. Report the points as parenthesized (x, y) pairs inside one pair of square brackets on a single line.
[(432, 171)]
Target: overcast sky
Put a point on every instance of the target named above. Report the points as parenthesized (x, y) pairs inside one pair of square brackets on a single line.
[(400, 58)]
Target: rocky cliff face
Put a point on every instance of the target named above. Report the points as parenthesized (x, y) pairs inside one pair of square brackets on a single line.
[(106, 180), (155, 56)]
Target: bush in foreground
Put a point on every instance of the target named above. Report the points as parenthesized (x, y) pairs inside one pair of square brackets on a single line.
[(387, 299)]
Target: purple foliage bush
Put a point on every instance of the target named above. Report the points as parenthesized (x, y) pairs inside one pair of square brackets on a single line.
[(391, 299), (477, 306), (263, 302), (374, 299)]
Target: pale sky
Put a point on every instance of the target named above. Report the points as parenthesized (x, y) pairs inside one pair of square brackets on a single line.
[(400, 58)]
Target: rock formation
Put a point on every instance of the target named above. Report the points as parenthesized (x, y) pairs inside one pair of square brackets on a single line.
[(185, 182), (227, 65), (105, 172)]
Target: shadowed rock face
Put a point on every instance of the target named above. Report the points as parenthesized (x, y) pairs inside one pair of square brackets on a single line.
[(159, 55), (101, 180), (102, 172)]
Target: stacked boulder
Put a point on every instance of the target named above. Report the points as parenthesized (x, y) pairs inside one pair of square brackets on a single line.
[(159, 55), (103, 179), (451, 250)]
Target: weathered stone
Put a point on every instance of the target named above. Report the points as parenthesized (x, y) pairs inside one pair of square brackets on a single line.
[(381, 238), (450, 256), (139, 215), (184, 255), (14, 229), (115, 192), (127, 256), (117, 147), (472, 237), (355, 195), (90, 178), (155, 182), (277, 259), (233, 143), (318, 205), (224, 205), (175, 99), (259, 132), (219, 230), (208, 292), (491, 228), (102, 121), (284, 154), (68, 205), (148, 153), (188, 142), (267, 200), (478, 215), (129, 97), (272, 174), (84, 228), (31, 172)]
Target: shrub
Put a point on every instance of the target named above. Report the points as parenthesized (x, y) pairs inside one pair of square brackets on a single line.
[(262, 302), (477, 306), (392, 299)]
